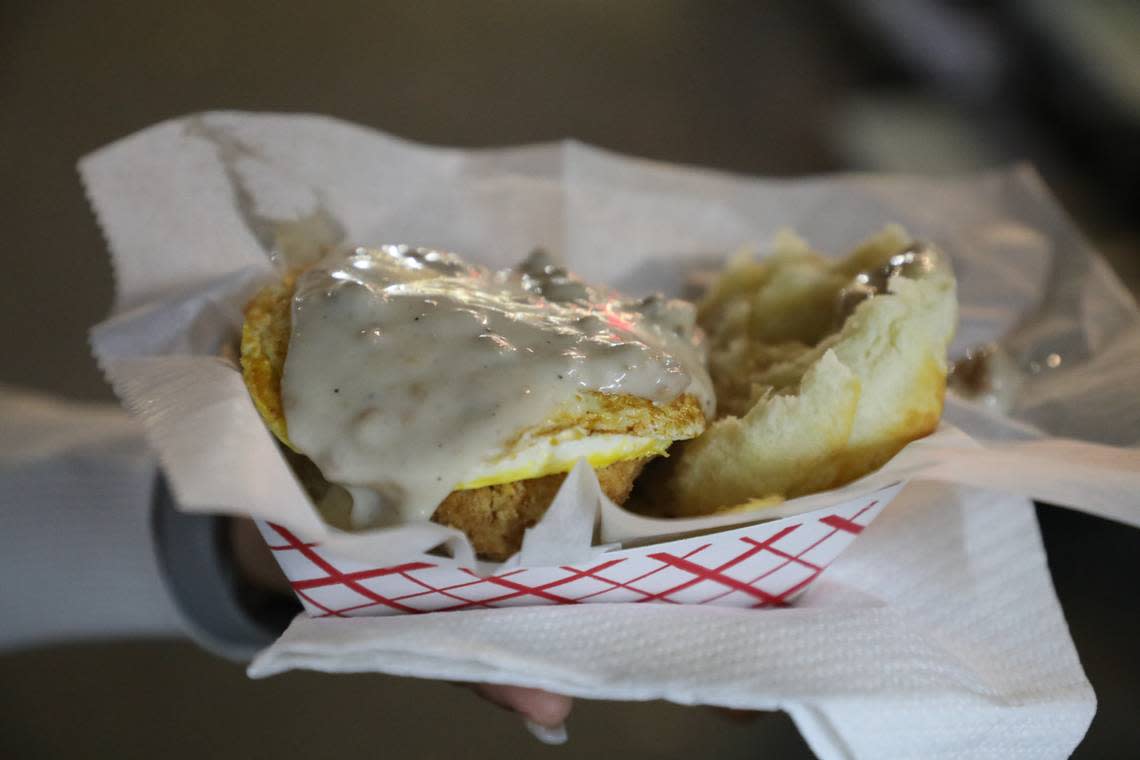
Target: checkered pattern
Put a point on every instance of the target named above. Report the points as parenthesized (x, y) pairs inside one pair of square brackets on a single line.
[(764, 565)]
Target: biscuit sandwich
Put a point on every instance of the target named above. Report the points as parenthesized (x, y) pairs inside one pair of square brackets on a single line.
[(406, 384)]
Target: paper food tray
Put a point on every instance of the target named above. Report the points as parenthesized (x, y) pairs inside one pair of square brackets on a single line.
[(763, 565)]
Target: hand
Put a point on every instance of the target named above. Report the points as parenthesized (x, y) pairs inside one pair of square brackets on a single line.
[(544, 712)]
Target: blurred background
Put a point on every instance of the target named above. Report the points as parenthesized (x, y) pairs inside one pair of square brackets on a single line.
[(771, 88)]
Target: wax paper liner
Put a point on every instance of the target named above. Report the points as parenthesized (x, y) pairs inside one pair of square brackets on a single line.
[(169, 349), (199, 211)]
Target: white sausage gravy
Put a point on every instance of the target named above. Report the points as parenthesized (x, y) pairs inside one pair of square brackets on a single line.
[(408, 367)]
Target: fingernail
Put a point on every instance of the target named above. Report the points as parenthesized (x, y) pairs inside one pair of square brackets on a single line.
[(545, 734)]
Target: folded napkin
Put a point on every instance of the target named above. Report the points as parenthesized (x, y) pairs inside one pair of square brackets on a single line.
[(936, 635)]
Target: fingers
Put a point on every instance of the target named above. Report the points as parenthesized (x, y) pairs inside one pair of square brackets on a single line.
[(541, 707)]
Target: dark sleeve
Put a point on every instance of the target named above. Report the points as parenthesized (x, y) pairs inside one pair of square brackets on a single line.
[(221, 612)]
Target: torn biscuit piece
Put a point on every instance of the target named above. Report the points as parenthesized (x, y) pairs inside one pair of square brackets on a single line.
[(823, 370)]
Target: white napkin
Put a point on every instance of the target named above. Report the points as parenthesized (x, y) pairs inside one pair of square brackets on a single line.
[(937, 635)]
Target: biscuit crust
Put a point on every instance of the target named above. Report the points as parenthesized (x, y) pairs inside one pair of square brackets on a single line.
[(813, 394)]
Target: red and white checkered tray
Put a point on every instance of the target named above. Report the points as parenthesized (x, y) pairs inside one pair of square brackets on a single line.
[(761, 565)]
